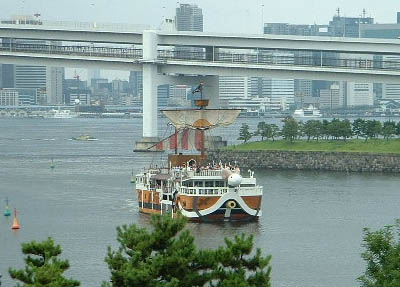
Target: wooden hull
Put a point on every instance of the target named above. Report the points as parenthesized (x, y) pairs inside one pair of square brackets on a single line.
[(229, 207)]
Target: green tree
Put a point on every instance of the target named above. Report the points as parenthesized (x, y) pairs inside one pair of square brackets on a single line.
[(290, 129), (274, 131), (43, 267), (345, 129), (236, 268), (334, 129), (358, 127), (389, 129), (372, 129), (264, 130), (167, 256), (325, 129), (244, 133), (382, 257), (312, 129), (398, 129)]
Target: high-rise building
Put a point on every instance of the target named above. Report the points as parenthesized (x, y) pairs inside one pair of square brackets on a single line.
[(348, 26), (136, 83), (93, 74), (189, 17), (54, 85), (48, 79), (331, 98), (231, 88)]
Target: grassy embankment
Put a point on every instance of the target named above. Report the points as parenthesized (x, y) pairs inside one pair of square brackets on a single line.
[(354, 145)]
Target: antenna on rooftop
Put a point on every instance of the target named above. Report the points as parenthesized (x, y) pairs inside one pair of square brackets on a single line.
[(364, 12), (338, 12)]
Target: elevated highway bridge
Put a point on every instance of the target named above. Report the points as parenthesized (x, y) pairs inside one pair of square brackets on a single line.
[(191, 57)]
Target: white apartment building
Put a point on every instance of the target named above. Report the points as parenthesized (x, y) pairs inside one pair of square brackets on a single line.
[(391, 91)]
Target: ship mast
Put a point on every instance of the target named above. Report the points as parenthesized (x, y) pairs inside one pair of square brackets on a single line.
[(202, 104)]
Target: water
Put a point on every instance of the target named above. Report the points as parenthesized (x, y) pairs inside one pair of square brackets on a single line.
[(312, 221)]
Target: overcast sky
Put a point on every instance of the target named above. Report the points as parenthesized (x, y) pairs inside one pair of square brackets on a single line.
[(230, 16)]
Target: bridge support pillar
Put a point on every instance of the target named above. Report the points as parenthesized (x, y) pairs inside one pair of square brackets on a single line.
[(150, 84)]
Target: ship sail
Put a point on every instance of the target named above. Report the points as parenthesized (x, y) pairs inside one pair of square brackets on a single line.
[(202, 119), (185, 139)]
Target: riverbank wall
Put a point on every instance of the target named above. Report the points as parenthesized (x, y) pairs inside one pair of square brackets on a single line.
[(309, 160)]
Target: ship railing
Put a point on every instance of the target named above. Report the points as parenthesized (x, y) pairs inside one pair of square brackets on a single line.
[(198, 191), (204, 172), (209, 172), (254, 190)]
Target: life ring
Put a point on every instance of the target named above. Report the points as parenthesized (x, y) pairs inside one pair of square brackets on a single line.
[(231, 204)]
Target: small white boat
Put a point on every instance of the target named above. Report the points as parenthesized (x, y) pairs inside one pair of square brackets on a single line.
[(62, 114), (310, 112)]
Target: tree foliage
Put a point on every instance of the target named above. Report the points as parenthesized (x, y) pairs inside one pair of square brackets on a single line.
[(167, 256), (43, 267), (389, 129), (382, 257), (244, 133), (290, 129)]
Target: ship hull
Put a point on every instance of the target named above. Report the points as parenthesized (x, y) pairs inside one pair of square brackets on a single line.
[(228, 207)]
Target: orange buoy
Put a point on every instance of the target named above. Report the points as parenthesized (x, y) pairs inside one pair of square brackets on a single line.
[(15, 222)]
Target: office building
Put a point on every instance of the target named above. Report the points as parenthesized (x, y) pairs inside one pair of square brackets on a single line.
[(293, 29), (136, 83), (231, 88), (93, 74), (332, 98), (359, 94), (9, 97), (391, 91), (54, 85), (189, 18)]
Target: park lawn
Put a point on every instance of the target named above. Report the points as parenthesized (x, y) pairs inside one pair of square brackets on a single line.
[(354, 145)]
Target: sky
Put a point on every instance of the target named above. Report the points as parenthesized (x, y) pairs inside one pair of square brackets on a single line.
[(227, 16)]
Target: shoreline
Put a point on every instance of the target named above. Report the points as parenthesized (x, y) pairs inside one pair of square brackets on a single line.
[(310, 160)]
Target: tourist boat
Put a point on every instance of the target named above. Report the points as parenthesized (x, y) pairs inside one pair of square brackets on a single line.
[(62, 114), (190, 184), (84, 138), (310, 112)]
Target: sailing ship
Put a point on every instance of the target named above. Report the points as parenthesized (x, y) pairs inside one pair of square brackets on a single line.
[(190, 184)]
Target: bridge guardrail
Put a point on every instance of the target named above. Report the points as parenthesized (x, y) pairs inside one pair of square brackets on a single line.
[(78, 50), (261, 58)]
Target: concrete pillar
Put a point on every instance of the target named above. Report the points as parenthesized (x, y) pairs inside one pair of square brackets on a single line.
[(150, 84), (211, 91), (150, 108), (150, 41)]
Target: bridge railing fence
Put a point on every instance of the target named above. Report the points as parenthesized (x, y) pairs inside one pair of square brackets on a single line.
[(262, 58), (78, 50)]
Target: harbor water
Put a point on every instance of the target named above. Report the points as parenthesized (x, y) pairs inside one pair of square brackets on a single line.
[(311, 225)]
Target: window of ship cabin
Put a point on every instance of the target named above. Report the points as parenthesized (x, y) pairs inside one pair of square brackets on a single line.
[(187, 183), (219, 183), (198, 183), (209, 184)]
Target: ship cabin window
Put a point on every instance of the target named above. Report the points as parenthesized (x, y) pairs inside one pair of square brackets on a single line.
[(198, 184), (248, 185), (187, 183), (209, 183), (219, 183)]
